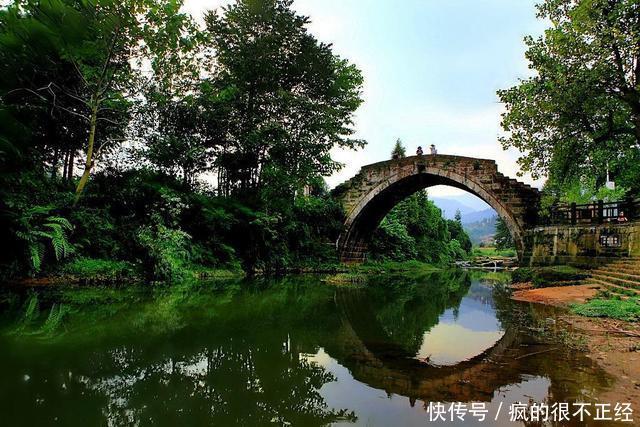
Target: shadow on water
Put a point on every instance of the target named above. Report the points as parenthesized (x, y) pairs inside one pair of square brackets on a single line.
[(293, 351)]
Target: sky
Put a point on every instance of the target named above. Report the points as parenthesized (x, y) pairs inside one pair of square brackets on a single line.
[(431, 71)]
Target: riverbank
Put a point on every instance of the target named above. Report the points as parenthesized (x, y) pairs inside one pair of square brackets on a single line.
[(614, 344), (115, 273)]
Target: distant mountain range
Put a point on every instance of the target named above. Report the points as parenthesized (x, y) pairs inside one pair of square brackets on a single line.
[(478, 218), (483, 230), (467, 203)]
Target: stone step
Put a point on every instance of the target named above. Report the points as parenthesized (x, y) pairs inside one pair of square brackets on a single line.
[(617, 281), (626, 261), (631, 268), (610, 286), (631, 273)]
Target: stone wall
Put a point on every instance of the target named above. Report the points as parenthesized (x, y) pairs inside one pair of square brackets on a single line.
[(581, 245)]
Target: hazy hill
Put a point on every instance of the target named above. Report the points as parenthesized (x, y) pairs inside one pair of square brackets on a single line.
[(482, 230), (478, 219), (450, 206), (478, 216)]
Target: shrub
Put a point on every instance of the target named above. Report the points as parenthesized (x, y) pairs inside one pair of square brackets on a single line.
[(522, 275), (550, 276), (166, 251), (547, 276)]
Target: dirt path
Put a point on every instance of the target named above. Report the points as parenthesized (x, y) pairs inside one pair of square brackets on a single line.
[(557, 296)]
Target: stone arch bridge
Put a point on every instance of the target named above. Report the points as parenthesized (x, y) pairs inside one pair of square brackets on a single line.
[(377, 188)]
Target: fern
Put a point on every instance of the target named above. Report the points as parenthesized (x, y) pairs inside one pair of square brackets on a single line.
[(39, 230), (56, 316), (36, 252), (31, 312)]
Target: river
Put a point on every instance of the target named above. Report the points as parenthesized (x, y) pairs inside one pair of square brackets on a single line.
[(293, 351)]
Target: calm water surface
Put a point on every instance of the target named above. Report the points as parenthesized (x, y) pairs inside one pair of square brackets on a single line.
[(294, 351)]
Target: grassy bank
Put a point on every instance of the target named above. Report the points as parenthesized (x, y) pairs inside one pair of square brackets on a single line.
[(358, 274), (613, 308), (542, 277), (493, 252)]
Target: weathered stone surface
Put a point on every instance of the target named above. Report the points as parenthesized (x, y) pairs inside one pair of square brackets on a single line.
[(378, 187), (582, 245)]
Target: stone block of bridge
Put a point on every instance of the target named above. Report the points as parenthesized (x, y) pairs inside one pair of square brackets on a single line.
[(377, 188)]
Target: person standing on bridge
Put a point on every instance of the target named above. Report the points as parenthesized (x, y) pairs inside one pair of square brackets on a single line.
[(433, 150), (419, 151)]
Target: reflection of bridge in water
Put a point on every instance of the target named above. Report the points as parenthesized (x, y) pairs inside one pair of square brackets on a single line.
[(363, 347)]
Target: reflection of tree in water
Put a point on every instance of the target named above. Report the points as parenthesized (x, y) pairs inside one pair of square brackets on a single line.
[(408, 307), (182, 357), (241, 382), (195, 355)]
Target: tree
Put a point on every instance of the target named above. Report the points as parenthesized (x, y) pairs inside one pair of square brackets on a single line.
[(176, 144), (399, 151), (458, 216), (415, 229), (581, 111), (287, 99), (458, 233), (503, 237), (95, 54)]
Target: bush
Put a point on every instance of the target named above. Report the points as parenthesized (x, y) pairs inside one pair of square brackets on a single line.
[(551, 276), (522, 275), (166, 251), (547, 276)]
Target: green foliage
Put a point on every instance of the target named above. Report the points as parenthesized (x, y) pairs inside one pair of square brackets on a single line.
[(253, 98), (459, 234), (399, 151), (548, 276), (493, 252), (522, 275), (285, 99), (39, 231), (581, 110), (627, 309), (392, 240), (91, 267), (503, 237), (585, 190), (166, 250), (415, 229)]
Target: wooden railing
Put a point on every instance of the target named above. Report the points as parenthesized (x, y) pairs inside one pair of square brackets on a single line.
[(598, 212)]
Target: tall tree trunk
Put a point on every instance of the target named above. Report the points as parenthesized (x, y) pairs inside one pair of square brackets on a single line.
[(88, 164), (54, 163), (72, 161), (65, 165)]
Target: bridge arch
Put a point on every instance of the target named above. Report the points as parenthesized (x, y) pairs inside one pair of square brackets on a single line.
[(377, 188)]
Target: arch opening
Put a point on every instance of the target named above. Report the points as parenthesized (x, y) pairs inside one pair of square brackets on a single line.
[(365, 217)]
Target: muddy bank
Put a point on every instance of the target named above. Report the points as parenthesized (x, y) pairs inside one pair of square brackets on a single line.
[(559, 296), (613, 344)]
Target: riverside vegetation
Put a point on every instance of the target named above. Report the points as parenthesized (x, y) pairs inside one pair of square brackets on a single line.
[(136, 143)]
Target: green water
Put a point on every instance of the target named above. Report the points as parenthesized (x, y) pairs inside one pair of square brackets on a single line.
[(295, 351)]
